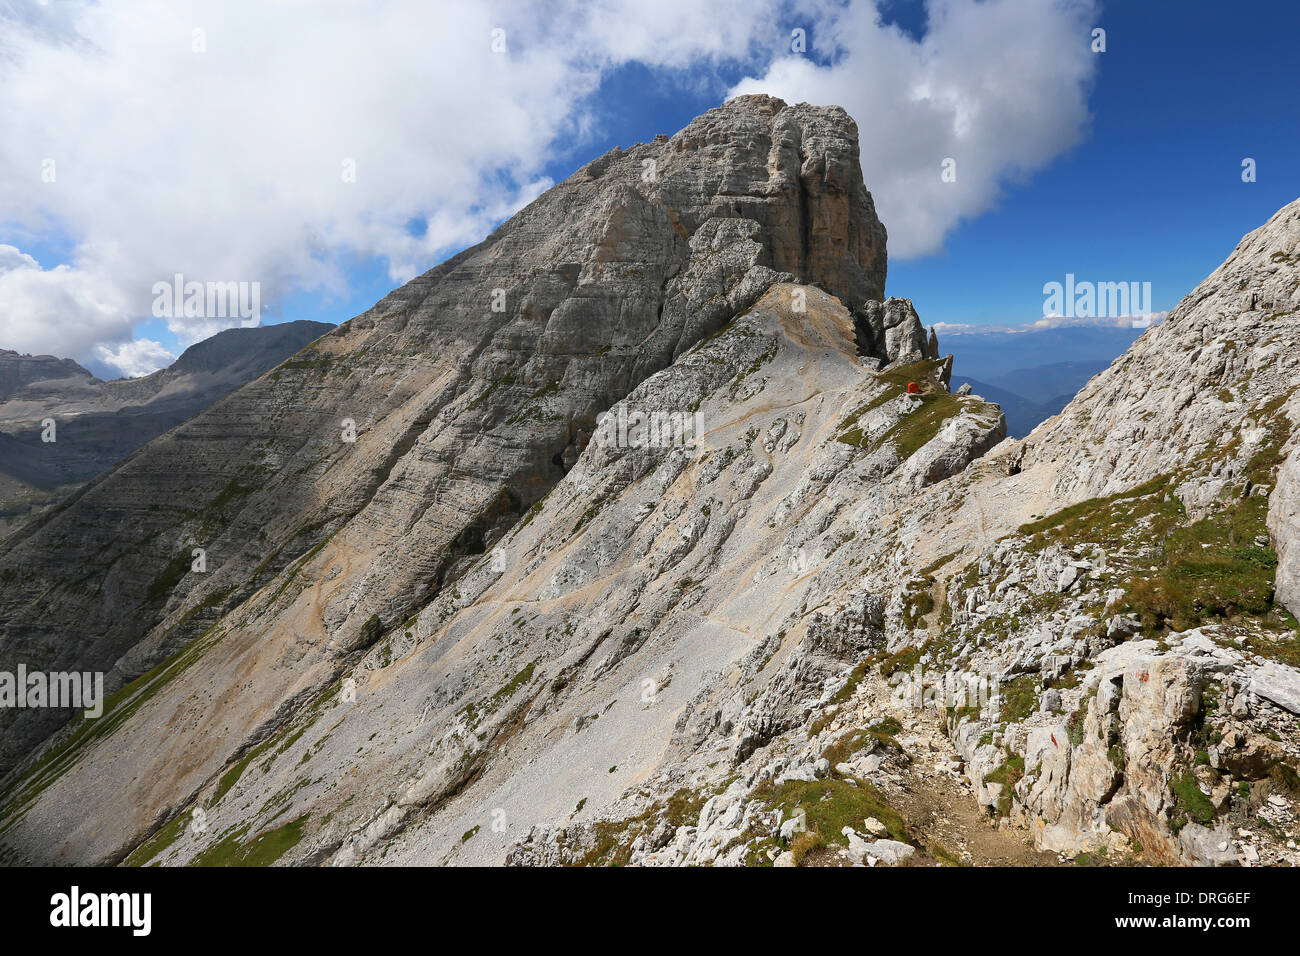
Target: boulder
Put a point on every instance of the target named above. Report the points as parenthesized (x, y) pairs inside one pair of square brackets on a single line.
[(1277, 683)]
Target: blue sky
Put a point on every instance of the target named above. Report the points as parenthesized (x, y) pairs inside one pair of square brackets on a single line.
[(1131, 158)]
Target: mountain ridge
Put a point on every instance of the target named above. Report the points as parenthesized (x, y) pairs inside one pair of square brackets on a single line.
[(597, 288)]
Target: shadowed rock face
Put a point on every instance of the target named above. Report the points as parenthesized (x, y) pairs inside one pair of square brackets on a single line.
[(471, 391), (100, 423), (17, 371)]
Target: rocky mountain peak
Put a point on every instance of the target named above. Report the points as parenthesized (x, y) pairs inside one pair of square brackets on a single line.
[(796, 171), (217, 354)]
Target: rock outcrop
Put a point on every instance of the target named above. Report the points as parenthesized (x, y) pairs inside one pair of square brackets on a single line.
[(1284, 520), (892, 330)]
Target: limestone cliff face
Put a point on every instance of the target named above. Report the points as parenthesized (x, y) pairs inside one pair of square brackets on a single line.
[(470, 392)]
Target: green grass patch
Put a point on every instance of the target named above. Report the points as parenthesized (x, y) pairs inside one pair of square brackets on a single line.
[(162, 838), (831, 805), (903, 660), (1206, 571), (1106, 520), (1018, 698), (882, 733), (263, 850), (1008, 775), (916, 605), (1285, 777), (168, 577), (1210, 570), (228, 495), (614, 838), (918, 426), (1190, 804)]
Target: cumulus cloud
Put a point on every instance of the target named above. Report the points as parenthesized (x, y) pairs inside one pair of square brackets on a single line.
[(63, 311), (135, 358), (997, 87), (241, 141)]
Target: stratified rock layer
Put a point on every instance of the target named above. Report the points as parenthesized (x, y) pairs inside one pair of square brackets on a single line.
[(97, 423)]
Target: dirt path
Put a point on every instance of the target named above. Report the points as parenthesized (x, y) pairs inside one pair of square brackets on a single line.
[(941, 812), (951, 827)]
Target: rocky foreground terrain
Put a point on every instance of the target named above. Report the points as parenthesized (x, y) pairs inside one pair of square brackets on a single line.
[(98, 423), (685, 554)]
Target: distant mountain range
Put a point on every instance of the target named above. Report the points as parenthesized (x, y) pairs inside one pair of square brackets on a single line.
[(1024, 371), (98, 423)]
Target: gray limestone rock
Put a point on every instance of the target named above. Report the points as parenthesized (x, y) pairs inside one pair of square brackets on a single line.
[(1284, 525), (1277, 683)]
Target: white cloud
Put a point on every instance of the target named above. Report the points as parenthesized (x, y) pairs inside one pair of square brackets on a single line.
[(227, 164), (1103, 321), (998, 86), (61, 311), (135, 358)]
